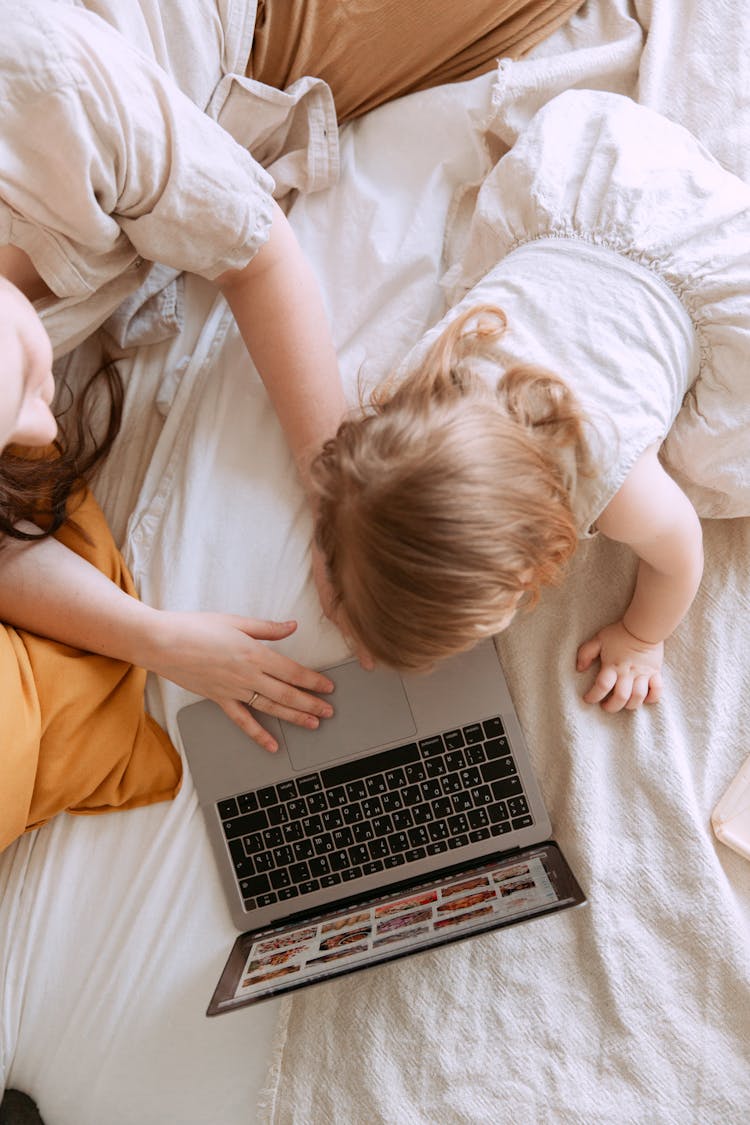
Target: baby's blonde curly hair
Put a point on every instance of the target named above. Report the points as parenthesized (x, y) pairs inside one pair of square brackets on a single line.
[(445, 500)]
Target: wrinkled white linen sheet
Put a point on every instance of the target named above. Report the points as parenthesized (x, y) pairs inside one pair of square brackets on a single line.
[(113, 930), (636, 1008)]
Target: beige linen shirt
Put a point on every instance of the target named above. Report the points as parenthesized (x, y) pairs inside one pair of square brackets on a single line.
[(125, 139)]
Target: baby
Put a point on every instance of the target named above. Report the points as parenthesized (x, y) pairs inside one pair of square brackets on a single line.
[(605, 247)]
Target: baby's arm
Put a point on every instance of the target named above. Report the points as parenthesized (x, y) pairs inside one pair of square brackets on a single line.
[(655, 518)]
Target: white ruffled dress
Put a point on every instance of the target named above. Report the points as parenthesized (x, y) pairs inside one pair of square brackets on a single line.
[(619, 250)]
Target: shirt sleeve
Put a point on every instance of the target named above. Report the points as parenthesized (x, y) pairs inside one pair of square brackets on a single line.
[(103, 160)]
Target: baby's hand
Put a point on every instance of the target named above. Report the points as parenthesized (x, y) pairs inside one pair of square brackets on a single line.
[(630, 672)]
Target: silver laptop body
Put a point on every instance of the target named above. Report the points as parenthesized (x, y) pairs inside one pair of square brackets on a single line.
[(380, 717)]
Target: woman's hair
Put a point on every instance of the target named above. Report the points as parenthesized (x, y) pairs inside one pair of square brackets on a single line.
[(38, 484), (447, 499)]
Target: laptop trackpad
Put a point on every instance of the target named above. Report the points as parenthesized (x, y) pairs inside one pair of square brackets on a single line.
[(370, 710)]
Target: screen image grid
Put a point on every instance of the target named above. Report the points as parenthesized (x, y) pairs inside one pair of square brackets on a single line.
[(361, 934)]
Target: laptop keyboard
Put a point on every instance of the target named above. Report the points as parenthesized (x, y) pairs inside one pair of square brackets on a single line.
[(374, 814)]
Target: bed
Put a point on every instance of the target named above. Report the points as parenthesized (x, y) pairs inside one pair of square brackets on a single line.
[(113, 930)]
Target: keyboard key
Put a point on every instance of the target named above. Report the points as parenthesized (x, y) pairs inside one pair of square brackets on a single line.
[(323, 844), (243, 864), (478, 818), (358, 853), (394, 779), (280, 879), (473, 733), (431, 746), (317, 803), (247, 802), (394, 860), (517, 806), (501, 828), (372, 807), (470, 777), (402, 819), (382, 825), (482, 795), (479, 834), (332, 819), (460, 802), (398, 842), (523, 822), (497, 747), (337, 797), (435, 767), (253, 843), (436, 847), (244, 825), (459, 841), (228, 808), (343, 837), (498, 812), (455, 760), (338, 860), (454, 739), (267, 797), (286, 893), (286, 790), (378, 849), (352, 814), (497, 768), (319, 866), (438, 830), (258, 885), (283, 856), (458, 824), (510, 787), (451, 783), (300, 872), (311, 783), (267, 900), (375, 763), (363, 832), (412, 795), (330, 880), (414, 855), (273, 837), (308, 887), (418, 836), (292, 832), (493, 727), (431, 790), (351, 873), (444, 806), (297, 808), (312, 825), (474, 755), (391, 802), (278, 815), (372, 867), (422, 813), (356, 790), (264, 861), (376, 785), (415, 772), (302, 849)]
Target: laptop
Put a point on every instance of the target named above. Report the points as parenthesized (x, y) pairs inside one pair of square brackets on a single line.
[(410, 819)]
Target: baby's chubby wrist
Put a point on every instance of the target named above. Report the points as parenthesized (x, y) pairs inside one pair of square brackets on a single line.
[(636, 635)]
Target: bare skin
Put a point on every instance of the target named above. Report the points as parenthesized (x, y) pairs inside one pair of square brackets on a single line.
[(654, 517), (50, 590)]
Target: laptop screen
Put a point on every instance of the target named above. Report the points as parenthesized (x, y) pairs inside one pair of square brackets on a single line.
[(267, 962)]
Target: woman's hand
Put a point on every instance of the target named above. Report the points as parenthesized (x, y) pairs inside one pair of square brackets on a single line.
[(630, 672), (222, 657)]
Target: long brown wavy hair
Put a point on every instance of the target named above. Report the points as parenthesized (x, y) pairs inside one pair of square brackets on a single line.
[(447, 499), (40, 485)]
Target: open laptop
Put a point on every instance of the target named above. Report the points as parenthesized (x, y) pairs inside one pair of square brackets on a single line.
[(410, 819)]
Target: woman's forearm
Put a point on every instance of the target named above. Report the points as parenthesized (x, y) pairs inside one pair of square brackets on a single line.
[(279, 310), (48, 589)]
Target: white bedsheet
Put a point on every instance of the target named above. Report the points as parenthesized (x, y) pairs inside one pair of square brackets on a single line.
[(113, 930)]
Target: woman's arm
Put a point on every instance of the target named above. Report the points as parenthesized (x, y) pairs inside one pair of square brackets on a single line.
[(655, 518), (279, 309), (48, 589)]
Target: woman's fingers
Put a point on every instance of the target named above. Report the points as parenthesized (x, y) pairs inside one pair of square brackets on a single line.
[(243, 718)]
